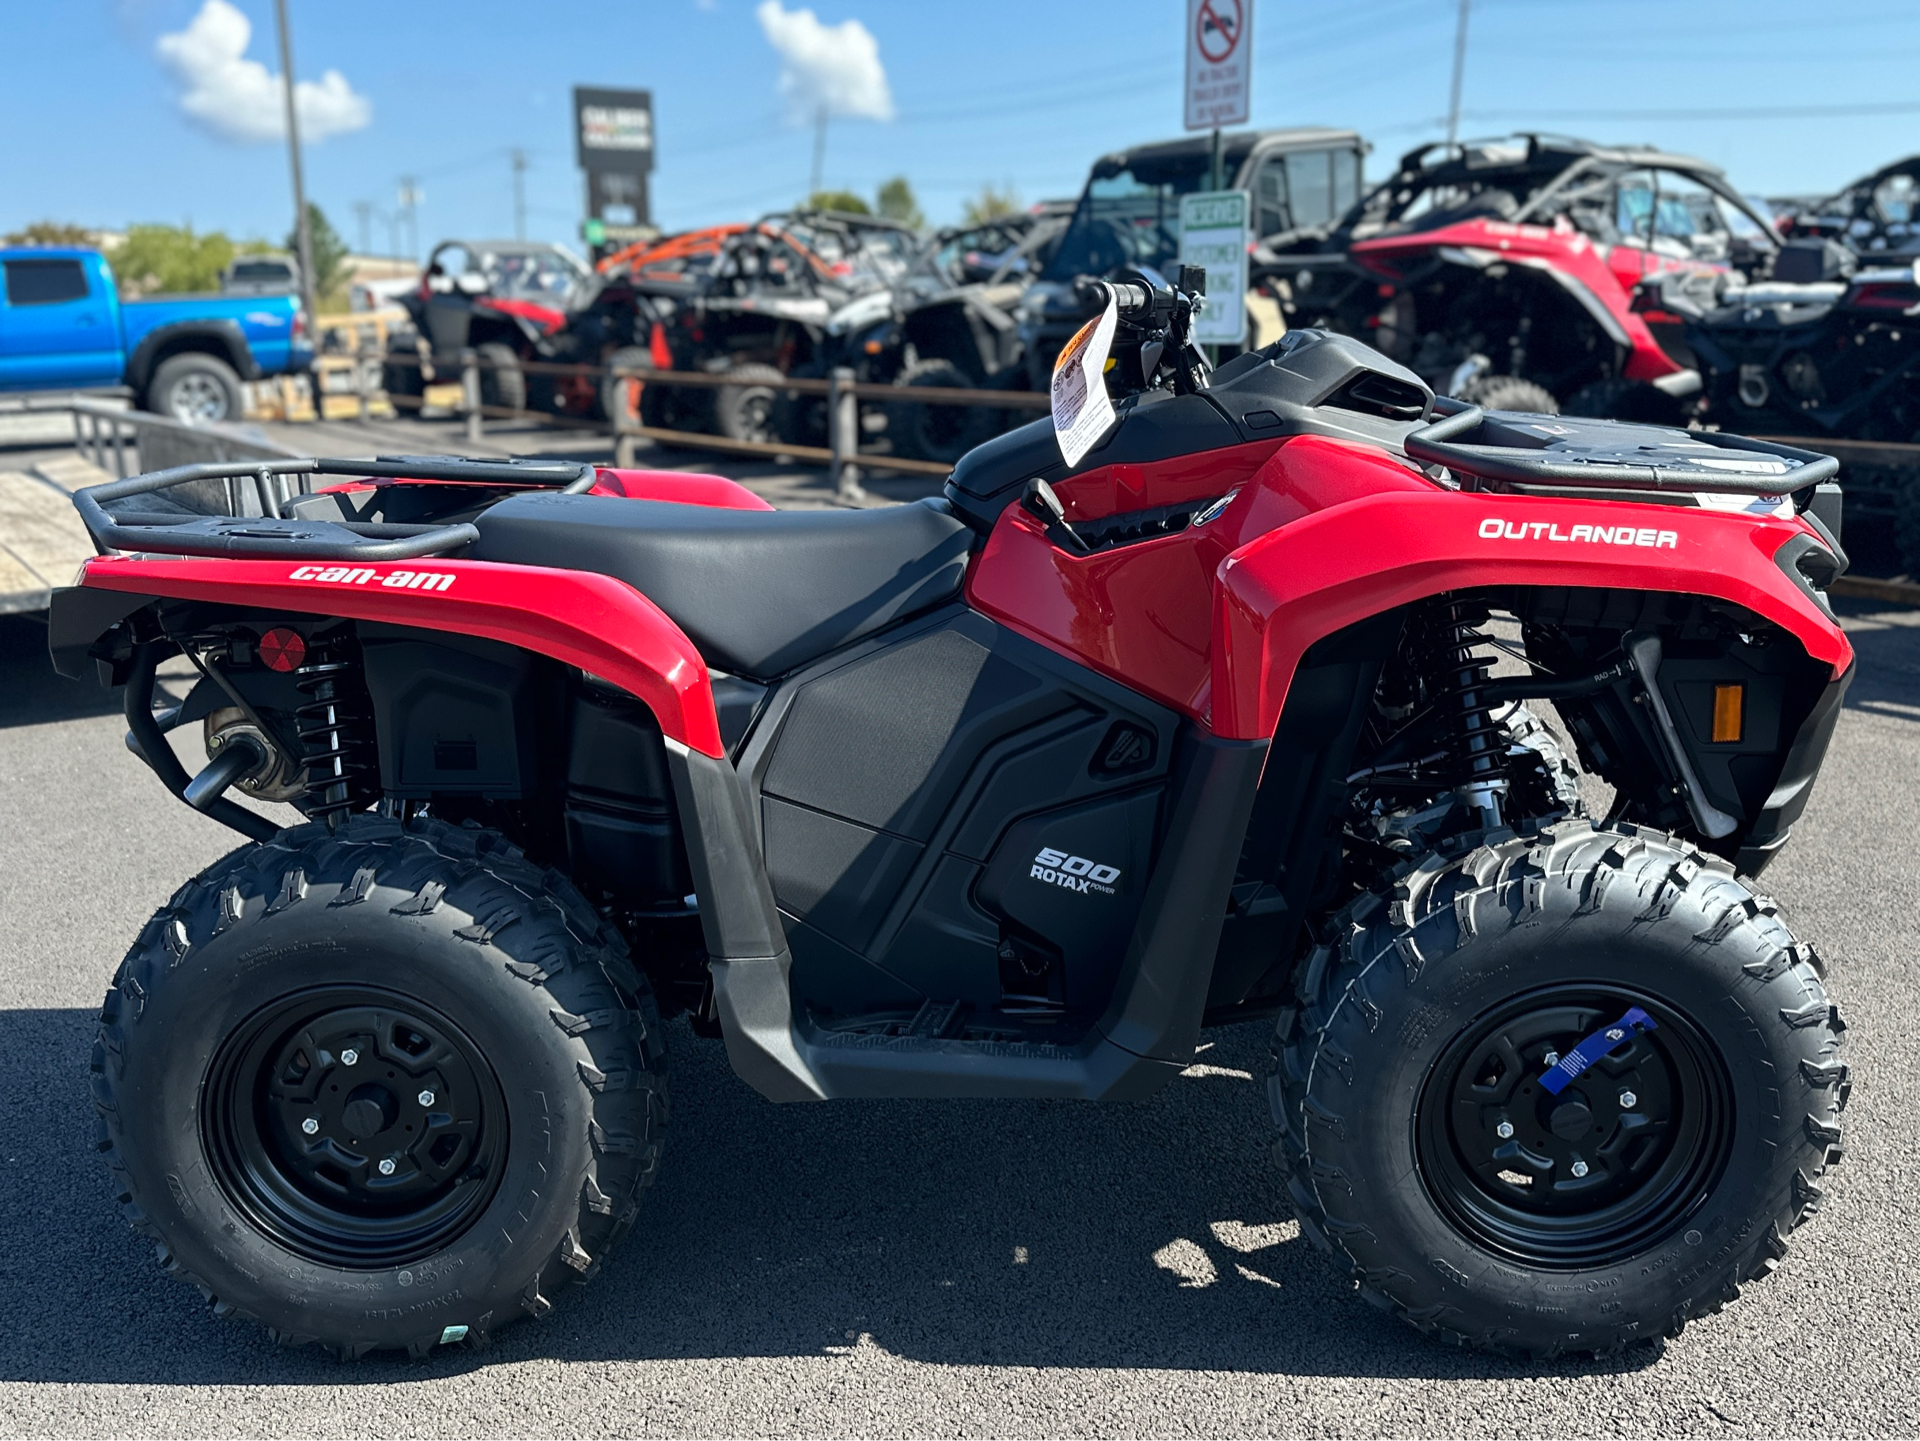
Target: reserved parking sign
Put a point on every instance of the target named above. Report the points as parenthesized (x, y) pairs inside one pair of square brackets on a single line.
[(1214, 233)]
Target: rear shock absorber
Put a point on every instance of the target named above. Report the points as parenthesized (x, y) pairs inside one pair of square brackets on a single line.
[(1455, 686), (336, 730)]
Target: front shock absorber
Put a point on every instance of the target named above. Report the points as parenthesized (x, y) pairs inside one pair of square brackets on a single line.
[(335, 724), (1455, 687)]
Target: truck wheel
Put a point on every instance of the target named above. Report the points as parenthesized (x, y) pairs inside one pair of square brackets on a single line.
[(1509, 392), (502, 382), (1430, 1153), (196, 388), (743, 408), (387, 1087), (940, 433)]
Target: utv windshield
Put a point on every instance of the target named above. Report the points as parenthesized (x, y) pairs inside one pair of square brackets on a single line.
[(1131, 216)]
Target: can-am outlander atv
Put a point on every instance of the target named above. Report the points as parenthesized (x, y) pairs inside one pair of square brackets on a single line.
[(1006, 794)]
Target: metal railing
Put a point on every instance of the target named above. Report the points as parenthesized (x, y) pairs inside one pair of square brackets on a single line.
[(843, 393)]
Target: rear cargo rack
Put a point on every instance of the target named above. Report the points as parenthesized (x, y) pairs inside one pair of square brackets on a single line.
[(1570, 455), (274, 535)]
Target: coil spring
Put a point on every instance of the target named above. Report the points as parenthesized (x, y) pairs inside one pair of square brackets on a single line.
[(335, 727), (1454, 685)]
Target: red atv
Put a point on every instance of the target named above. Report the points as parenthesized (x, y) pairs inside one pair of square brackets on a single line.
[(1503, 271), (1008, 794)]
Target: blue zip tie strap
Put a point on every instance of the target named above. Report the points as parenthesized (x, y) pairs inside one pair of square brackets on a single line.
[(1607, 1038)]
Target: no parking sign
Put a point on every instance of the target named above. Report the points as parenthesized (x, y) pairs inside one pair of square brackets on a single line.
[(1219, 62)]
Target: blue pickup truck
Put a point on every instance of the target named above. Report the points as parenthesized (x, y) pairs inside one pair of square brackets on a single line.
[(63, 326)]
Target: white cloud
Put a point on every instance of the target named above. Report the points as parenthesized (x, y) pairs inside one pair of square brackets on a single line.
[(832, 66), (238, 99)]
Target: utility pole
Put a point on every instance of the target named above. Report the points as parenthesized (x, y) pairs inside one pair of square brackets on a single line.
[(302, 229), (409, 198), (519, 193), (1459, 73), (363, 212), (819, 153)]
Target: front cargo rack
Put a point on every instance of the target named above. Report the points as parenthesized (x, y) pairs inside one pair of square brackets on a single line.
[(1574, 456), (182, 529)]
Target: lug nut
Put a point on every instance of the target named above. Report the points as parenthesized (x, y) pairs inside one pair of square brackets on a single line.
[(310, 1126), (1579, 1168), (1616, 1034), (1552, 1058), (349, 1057), (1504, 1130), (1628, 1100), (426, 1098), (386, 1166)]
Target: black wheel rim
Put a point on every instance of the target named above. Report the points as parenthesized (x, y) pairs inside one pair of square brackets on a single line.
[(1612, 1165), (356, 1127)]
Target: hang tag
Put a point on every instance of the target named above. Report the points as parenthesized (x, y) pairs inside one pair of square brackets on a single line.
[(1082, 412)]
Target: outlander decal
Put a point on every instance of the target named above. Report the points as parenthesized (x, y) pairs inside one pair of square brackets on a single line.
[(1493, 528), (1073, 873), (365, 575)]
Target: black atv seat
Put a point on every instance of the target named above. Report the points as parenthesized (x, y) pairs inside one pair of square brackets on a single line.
[(758, 591)]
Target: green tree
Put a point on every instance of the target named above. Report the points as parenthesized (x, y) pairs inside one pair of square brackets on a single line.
[(842, 200), (171, 258), (897, 202), (329, 259), (51, 232), (990, 204)]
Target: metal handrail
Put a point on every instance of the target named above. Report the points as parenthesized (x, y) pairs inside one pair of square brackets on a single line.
[(276, 536)]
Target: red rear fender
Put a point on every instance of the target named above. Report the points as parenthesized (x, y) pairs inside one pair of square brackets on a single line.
[(578, 618)]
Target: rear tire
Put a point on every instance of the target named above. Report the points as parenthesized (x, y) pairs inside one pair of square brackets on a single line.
[(1509, 392), (454, 988), (1620, 399), (195, 388), (743, 408), (943, 433), (503, 383), (1423, 1024), (401, 373), (622, 397)]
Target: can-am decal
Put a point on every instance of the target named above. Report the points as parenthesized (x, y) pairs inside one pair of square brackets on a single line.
[(1073, 873), (1493, 528), (365, 575)]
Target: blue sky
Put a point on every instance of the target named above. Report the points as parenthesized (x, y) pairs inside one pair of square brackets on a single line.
[(1010, 92)]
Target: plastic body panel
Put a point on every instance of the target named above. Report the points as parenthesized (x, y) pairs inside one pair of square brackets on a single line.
[(1582, 267), (1324, 533), (575, 617)]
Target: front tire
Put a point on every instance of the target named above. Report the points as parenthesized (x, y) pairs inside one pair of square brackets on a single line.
[(1429, 1156), (382, 1088), (1509, 392), (503, 384)]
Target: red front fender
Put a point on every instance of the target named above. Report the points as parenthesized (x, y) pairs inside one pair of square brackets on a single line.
[(1280, 593)]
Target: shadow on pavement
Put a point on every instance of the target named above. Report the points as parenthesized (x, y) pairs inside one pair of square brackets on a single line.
[(1888, 645), (981, 1233), (31, 691)]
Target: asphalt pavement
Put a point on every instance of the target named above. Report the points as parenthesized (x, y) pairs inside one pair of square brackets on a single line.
[(909, 1268)]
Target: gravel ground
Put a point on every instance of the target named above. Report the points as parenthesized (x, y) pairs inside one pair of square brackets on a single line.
[(921, 1268)]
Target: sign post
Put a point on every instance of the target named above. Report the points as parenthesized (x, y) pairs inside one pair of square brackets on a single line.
[(1215, 232), (613, 137)]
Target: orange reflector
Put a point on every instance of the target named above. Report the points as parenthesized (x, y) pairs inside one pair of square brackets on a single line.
[(1729, 706), (874, 347)]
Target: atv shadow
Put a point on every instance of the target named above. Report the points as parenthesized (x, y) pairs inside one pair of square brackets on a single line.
[(1887, 642), (31, 691), (972, 1234)]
